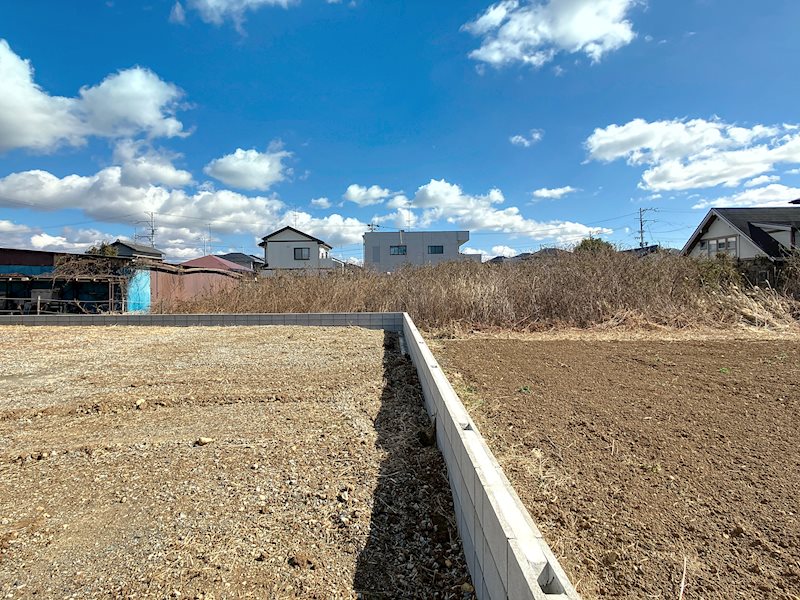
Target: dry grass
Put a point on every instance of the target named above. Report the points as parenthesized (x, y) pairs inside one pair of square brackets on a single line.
[(572, 290)]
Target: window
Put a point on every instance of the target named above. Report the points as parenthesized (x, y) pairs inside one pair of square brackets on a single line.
[(397, 250), (302, 253), (435, 249), (726, 245)]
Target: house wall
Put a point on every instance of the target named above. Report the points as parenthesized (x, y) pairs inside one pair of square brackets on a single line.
[(280, 253), (377, 248), (783, 237), (745, 249), (166, 288)]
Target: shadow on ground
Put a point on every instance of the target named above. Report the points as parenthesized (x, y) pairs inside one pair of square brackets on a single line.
[(413, 550)]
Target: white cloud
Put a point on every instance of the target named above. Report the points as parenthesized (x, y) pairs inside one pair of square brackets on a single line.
[(402, 218), (761, 180), (142, 165), (177, 14), (105, 197), (442, 200), (793, 172), (506, 251), (218, 11), (689, 154), (364, 196), (323, 203), (554, 193), (534, 33), (771, 195), (125, 104), (399, 201), (251, 169), (526, 142), (182, 218), (9, 227)]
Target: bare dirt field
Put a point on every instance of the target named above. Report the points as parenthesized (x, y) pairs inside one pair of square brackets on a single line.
[(207, 462), (635, 453)]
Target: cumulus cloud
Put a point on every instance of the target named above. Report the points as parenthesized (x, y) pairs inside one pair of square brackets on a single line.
[(505, 251), (534, 136), (514, 31), (219, 11), (771, 195), (182, 218), (131, 102), (441, 200), (402, 218), (142, 165), (323, 203), (366, 196), (688, 154), (251, 169), (554, 193)]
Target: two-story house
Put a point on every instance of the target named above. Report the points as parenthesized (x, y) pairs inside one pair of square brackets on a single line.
[(387, 251), (761, 238), (290, 249)]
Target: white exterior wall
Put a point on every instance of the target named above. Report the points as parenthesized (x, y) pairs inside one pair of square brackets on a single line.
[(377, 244), (718, 229), (279, 253), (783, 237)]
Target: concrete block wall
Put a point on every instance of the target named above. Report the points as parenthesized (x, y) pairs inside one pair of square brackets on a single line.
[(385, 321), (506, 554)]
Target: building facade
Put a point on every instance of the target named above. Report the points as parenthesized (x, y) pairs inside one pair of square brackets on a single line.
[(290, 249), (387, 251)]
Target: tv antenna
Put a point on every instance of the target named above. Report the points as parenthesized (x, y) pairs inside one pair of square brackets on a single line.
[(150, 230)]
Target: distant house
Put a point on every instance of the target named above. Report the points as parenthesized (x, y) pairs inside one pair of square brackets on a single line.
[(523, 256), (290, 249), (214, 262), (389, 250), (763, 236), (128, 249), (254, 263)]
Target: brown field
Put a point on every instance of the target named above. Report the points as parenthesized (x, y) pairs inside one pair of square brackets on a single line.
[(314, 484), (637, 454)]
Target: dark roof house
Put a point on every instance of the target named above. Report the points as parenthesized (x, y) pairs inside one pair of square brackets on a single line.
[(747, 233), (128, 249), (245, 260)]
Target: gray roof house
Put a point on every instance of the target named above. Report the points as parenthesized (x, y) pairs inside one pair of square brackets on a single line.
[(254, 263), (128, 249), (747, 233)]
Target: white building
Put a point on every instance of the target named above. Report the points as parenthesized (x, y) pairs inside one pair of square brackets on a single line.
[(290, 249), (389, 250)]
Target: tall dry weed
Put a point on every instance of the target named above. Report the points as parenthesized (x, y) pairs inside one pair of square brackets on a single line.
[(569, 290)]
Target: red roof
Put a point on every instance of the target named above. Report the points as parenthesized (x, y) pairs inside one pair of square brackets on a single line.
[(214, 262)]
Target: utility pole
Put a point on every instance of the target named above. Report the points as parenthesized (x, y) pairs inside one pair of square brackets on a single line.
[(642, 221)]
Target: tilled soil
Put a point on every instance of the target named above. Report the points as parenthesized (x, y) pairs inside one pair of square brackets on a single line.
[(207, 462), (636, 457)]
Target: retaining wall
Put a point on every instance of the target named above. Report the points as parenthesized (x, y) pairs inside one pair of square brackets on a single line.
[(506, 554)]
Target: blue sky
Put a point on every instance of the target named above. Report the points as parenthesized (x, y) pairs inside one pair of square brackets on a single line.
[(529, 123)]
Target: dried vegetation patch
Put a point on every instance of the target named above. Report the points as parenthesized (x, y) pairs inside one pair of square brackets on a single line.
[(269, 462)]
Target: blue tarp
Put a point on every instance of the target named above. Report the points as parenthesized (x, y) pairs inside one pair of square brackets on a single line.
[(139, 292)]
